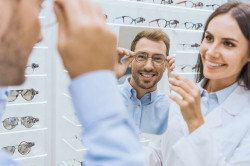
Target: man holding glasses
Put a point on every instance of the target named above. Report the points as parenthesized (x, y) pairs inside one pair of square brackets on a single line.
[(149, 59), (83, 38)]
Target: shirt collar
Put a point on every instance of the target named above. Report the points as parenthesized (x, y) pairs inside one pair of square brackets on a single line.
[(222, 94), (146, 99)]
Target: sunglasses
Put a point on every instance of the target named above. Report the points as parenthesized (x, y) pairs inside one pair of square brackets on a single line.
[(12, 122), (23, 148), (27, 94)]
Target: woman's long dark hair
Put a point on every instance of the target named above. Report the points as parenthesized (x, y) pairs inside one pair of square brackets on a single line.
[(241, 12)]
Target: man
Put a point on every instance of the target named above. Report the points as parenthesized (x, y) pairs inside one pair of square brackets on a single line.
[(88, 50), (145, 105)]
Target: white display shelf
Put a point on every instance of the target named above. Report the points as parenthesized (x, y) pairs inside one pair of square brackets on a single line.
[(154, 27), (20, 104), (75, 145), (39, 160), (72, 163), (72, 120), (23, 131), (154, 6), (188, 52)]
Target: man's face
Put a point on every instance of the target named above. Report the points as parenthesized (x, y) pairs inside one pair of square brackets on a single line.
[(19, 32), (147, 75)]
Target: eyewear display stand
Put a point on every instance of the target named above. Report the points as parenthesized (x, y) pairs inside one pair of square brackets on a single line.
[(57, 134)]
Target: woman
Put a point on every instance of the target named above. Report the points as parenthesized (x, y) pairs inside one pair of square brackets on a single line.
[(210, 124)]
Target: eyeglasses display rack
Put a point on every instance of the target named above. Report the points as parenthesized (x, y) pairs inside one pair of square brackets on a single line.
[(39, 127)]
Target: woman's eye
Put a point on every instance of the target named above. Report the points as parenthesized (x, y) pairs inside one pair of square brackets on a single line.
[(229, 44), (209, 38)]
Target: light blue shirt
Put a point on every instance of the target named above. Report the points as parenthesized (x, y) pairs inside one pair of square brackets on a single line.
[(108, 133), (3, 100), (150, 113), (5, 159), (209, 101)]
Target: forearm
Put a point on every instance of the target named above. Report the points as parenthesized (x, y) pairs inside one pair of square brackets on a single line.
[(109, 135)]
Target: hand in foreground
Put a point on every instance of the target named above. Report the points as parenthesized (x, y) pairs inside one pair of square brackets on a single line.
[(85, 42), (121, 68), (170, 64), (190, 102)]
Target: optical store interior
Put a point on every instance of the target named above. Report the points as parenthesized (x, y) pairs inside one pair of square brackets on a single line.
[(39, 126)]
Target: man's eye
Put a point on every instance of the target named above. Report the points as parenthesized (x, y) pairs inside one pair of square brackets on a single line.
[(141, 56)]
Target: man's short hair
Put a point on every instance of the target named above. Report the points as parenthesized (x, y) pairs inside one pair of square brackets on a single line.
[(154, 35)]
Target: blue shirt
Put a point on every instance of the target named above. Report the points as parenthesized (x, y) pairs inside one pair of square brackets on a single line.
[(3, 100), (150, 113), (108, 133), (209, 101)]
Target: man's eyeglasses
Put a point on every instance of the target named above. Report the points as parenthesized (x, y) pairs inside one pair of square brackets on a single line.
[(189, 46), (30, 68), (190, 25), (185, 68), (190, 4), (129, 20), (164, 23), (12, 122), (214, 6), (164, 2), (23, 148), (157, 59), (27, 94)]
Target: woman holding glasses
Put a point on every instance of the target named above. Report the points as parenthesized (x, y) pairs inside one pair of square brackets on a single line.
[(209, 123)]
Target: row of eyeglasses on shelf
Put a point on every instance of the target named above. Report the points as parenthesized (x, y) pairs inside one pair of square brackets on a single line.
[(23, 148), (162, 23), (188, 4)]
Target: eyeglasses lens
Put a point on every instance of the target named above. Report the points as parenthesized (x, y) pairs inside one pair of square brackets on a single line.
[(12, 95), (10, 123)]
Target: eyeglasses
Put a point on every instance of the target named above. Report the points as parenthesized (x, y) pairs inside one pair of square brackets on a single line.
[(23, 148), (164, 2), (189, 46), (190, 4), (157, 59), (12, 122), (214, 6), (130, 20), (190, 25), (185, 68), (27, 94), (164, 23), (30, 68)]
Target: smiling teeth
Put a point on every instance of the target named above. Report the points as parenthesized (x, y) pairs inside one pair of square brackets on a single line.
[(213, 64), (147, 75)]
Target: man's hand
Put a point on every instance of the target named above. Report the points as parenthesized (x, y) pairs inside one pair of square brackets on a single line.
[(170, 65), (120, 68), (84, 41)]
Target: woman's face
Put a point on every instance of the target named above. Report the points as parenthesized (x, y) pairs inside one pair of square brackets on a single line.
[(224, 49)]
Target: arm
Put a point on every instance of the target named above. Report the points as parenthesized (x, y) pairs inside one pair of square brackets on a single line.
[(120, 67), (6, 160), (202, 149), (88, 50), (108, 134)]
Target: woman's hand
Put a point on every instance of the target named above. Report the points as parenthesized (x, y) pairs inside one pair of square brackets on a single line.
[(190, 102)]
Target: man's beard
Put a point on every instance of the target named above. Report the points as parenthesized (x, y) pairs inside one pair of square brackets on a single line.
[(13, 60), (150, 84)]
